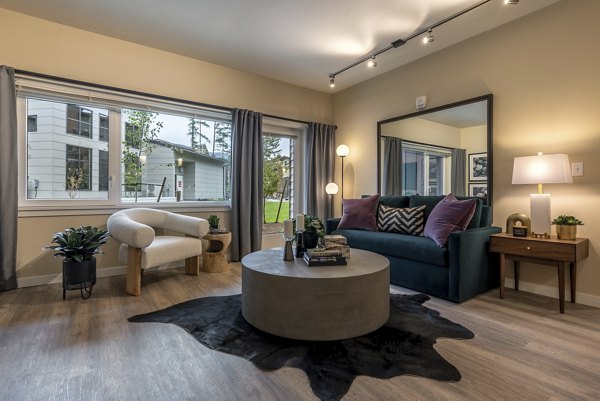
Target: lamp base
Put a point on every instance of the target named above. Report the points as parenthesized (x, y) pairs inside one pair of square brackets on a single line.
[(540, 215)]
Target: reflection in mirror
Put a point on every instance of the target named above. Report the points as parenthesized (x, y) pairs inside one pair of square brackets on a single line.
[(439, 151)]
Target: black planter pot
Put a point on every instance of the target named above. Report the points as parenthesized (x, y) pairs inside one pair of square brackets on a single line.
[(311, 239), (79, 276)]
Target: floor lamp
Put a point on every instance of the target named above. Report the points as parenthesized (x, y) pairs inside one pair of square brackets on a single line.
[(541, 169), (331, 190), (342, 151)]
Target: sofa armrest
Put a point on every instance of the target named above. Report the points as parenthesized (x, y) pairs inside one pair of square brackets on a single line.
[(331, 225), (472, 270)]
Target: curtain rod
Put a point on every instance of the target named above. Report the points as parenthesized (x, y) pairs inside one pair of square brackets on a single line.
[(138, 93), (419, 143)]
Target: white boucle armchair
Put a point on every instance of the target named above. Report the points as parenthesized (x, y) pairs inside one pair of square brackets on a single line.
[(142, 248)]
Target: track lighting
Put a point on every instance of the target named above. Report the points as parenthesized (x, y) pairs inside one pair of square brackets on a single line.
[(429, 38), (370, 59)]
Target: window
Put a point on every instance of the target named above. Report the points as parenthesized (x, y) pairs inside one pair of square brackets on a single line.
[(60, 165), (102, 170), (167, 150), (79, 170), (79, 120), (177, 157), (278, 181), (103, 127), (31, 123), (424, 169)]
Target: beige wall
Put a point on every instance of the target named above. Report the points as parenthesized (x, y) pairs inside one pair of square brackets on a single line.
[(45, 47), (543, 73)]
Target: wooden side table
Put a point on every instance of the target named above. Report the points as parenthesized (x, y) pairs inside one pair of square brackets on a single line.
[(552, 251), (213, 257)]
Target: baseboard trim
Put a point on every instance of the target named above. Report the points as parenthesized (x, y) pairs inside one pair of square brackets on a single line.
[(33, 281), (550, 291), (546, 290)]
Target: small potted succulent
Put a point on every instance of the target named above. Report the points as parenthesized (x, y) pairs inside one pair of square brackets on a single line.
[(79, 246), (213, 223), (566, 226)]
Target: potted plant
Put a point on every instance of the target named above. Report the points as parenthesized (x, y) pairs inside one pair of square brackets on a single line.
[(566, 226), (313, 230), (213, 222), (78, 247)]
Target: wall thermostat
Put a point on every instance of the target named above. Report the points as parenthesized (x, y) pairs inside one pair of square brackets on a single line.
[(421, 102)]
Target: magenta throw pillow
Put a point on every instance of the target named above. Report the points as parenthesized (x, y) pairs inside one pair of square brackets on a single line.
[(360, 214), (447, 216)]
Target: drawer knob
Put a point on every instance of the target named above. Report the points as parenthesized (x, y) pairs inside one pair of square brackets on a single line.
[(528, 248)]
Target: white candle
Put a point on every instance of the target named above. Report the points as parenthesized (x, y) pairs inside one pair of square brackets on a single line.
[(288, 228), (300, 222)]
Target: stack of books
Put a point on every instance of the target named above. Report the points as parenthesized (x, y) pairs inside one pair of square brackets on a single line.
[(337, 243), (324, 257), (335, 253)]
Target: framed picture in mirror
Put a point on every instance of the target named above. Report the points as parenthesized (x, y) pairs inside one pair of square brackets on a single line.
[(478, 166), (479, 190)]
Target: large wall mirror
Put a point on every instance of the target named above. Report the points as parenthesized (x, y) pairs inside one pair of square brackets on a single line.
[(447, 149)]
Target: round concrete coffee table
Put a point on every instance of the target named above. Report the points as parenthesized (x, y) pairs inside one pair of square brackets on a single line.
[(319, 303)]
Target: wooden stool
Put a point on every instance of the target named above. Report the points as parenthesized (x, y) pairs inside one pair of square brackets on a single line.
[(213, 256)]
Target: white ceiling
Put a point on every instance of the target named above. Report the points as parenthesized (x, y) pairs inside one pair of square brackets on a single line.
[(296, 41)]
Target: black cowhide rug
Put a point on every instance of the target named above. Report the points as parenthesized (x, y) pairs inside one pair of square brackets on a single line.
[(403, 346)]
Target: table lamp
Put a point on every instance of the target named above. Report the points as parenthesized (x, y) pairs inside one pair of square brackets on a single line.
[(541, 169)]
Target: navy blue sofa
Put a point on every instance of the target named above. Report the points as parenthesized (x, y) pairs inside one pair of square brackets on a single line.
[(458, 271)]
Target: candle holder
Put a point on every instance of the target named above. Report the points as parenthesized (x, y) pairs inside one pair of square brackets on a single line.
[(288, 254), (300, 249)]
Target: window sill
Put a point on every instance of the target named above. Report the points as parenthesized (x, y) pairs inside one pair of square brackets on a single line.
[(80, 210)]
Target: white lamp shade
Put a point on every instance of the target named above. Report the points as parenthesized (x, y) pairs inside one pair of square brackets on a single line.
[(342, 151), (331, 188), (542, 169)]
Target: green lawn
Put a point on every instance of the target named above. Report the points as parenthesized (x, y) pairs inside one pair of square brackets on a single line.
[(271, 211)]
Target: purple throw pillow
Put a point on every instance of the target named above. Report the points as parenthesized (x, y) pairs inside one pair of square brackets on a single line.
[(447, 216), (360, 214)]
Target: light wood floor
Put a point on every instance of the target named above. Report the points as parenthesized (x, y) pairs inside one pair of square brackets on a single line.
[(52, 349)]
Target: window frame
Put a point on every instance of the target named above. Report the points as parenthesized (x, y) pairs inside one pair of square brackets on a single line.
[(101, 128), (81, 96), (79, 120)]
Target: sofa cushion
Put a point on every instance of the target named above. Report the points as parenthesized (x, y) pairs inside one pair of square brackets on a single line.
[(408, 220), (431, 201), (394, 201), (410, 247), (447, 216), (360, 214)]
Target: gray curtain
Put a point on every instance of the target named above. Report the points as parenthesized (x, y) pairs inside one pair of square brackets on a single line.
[(246, 183), (458, 179), (8, 179), (392, 166), (320, 163)]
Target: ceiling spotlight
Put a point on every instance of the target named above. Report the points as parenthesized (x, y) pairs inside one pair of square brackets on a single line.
[(511, 1), (429, 38), (372, 63), (332, 81)]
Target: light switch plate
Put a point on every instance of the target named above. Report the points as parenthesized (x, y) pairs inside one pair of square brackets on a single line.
[(577, 169)]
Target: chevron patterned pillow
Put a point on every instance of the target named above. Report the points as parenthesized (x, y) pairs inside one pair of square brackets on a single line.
[(410, 220)]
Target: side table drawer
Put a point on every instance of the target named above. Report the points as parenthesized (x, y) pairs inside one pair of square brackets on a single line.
[(534, 249)]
